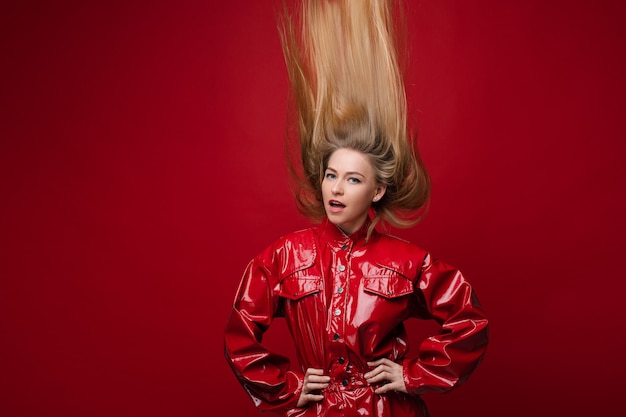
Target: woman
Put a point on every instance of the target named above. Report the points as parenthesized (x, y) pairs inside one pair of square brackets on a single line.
[(343, 287)]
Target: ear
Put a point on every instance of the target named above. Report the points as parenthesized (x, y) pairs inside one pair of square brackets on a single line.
[(380, 192)]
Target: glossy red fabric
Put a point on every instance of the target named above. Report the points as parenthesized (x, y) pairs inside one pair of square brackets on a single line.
[(345, 300)]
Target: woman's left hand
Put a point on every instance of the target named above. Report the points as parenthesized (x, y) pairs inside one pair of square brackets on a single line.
[(386, 370)]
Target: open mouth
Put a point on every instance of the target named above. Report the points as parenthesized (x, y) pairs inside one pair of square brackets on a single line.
[(335, 204)]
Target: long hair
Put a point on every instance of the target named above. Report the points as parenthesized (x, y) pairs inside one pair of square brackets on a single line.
[(346, 73)]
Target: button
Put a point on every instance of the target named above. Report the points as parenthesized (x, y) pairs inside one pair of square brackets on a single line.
[(341, 268), (341, 361), (344, 247), (336, 336), (344, 382), (340, 290), (337, 312)]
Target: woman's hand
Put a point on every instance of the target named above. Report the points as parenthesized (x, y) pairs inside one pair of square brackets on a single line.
[(314, 380), (386, 370)]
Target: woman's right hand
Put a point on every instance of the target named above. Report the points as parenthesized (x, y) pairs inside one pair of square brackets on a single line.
[(314, 380)]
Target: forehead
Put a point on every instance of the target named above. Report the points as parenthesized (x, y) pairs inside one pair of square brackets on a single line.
[(349, 160)]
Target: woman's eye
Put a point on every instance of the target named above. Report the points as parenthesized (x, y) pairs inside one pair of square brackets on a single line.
[(354, 180), (330, 175)]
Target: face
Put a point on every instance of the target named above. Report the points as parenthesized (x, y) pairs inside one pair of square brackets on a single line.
[(348, 189)]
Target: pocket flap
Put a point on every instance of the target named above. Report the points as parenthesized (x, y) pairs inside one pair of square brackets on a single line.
[(295, 287), (388, 286)]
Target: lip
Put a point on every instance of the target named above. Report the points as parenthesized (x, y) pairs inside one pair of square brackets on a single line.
[(336, 208)]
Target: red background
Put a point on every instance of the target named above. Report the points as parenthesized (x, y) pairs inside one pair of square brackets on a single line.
[(141, 167)]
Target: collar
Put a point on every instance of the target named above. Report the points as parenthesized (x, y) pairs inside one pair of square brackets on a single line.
[(334, 237)]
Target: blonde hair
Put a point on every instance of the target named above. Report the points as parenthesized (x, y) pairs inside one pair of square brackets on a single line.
[(344, 67)]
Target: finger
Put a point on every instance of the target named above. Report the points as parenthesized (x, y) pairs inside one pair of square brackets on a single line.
[(388, 365), (386, 388), (314, 371), (312, 386), (397, 386), (315, 386), (373, 372), (314, 397), (306, 398), (377, 371), (385, 368), (389, 375), (380, 361), (391, 370), (383, 364), (376, 362), (318, 378), (383, 376)]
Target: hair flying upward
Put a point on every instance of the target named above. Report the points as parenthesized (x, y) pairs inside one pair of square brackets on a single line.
[(344, 64)]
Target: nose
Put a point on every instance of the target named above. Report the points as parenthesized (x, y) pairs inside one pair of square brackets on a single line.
[(337, 188)]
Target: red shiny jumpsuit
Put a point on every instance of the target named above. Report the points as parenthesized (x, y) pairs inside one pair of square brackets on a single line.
[(345, 300)]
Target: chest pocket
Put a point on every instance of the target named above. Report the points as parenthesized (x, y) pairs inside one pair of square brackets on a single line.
[(387, 283), (299, 285)]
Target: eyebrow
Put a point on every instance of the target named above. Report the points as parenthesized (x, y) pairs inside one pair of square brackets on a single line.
[(347, 173)]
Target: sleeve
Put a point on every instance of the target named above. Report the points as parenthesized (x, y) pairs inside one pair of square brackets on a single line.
[(447, 359), (265, 375)]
